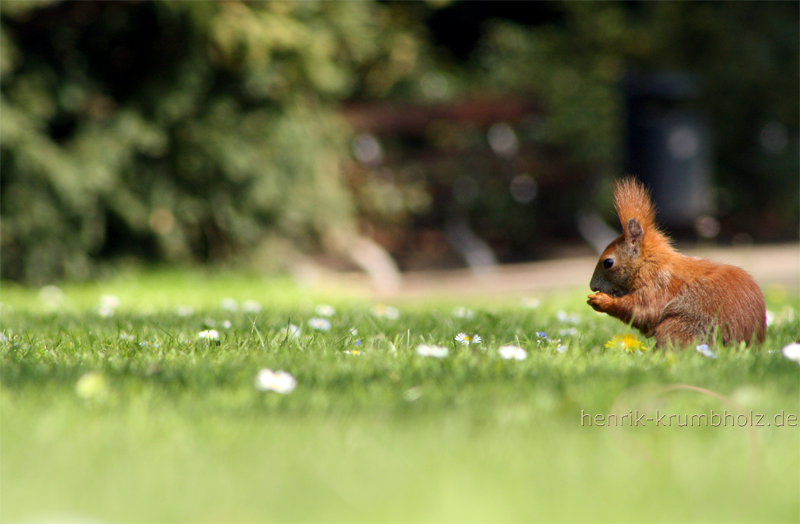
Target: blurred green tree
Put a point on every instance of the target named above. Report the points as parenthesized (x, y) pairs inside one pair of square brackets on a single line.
[(178, 130)]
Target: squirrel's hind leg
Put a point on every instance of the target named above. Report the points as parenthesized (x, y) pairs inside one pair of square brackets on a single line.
[(678, 331)]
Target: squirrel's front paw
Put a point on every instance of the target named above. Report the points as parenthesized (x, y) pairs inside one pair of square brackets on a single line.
[(600, 301)]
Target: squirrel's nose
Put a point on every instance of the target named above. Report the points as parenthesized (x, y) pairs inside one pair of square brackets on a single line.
[(594, 288)]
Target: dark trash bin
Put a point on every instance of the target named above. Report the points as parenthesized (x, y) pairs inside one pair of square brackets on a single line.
[(669, 145)]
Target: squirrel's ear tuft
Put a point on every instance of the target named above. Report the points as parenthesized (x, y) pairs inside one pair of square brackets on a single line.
[(633, 231), (632, 200)]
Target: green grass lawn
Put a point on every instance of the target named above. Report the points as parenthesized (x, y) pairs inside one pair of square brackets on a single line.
[(125, 415)]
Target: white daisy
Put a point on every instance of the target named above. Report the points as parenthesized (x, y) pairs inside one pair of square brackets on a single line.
[(512, 353), (225, 324), (107, 306), (325, 310), (320, 324), (792, 351), (208, 334), (425, 350), (465, 339), (380, 310), (277, 381)]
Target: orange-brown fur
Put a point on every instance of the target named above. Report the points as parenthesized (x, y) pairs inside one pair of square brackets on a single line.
[(672, 297)]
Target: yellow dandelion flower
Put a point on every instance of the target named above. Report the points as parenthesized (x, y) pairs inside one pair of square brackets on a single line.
[(627, 343)]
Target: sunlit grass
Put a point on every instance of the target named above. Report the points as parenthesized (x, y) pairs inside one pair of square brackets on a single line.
[(133, 416)]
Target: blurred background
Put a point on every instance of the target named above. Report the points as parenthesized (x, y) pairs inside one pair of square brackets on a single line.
[(385, 136)]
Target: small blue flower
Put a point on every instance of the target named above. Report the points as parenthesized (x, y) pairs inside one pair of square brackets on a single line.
[(703, 350), (542, 335)]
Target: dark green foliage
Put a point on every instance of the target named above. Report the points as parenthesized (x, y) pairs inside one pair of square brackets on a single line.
[(173, 131)]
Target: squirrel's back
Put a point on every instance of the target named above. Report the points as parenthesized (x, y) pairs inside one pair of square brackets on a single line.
[(713, 299)]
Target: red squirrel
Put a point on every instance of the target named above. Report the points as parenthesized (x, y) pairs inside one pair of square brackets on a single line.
[(642, 280)]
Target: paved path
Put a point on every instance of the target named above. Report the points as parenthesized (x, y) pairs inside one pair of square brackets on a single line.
[(769, 264)]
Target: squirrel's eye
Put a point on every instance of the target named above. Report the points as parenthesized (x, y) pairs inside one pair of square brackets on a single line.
[(607, 263)]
